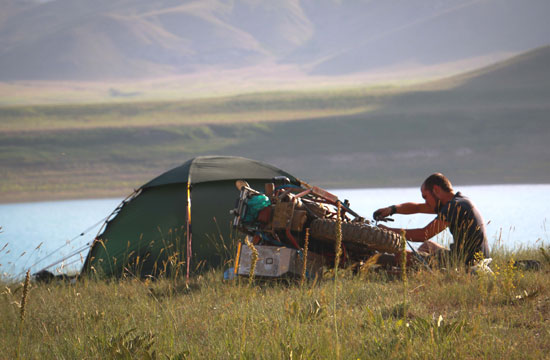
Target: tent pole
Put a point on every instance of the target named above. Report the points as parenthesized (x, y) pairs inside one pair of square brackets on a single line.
[(189, 237)]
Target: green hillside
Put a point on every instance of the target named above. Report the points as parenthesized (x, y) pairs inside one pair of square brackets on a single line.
[(119, 39), (483, 127)]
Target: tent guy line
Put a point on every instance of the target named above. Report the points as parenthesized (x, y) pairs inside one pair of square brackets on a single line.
[(67, 243)]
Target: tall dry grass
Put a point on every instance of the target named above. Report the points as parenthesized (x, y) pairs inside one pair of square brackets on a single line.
[(448, 314)]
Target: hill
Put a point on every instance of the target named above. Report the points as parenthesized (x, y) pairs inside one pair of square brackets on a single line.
[(120, 39), (482, 127), (516, 83)]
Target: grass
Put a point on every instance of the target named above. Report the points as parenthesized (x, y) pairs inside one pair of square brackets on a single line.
[(471, 128), (354, 150), (445, 314), (244, 108), (91, 150), (206, 85)]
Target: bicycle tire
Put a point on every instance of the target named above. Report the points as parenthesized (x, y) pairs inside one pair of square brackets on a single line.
[(357, 233)]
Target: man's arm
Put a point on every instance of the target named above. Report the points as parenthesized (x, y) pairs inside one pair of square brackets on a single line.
[(421, 235), (405, 209), (414, 208)]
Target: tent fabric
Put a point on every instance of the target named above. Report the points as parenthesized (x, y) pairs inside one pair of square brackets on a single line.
[(214, 168), (149, 231)]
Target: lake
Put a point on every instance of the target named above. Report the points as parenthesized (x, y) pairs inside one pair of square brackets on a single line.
[(37, 234)]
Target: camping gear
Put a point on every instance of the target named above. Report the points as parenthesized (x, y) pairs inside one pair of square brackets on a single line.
[(178, 220), (278, 261), (292, 209)]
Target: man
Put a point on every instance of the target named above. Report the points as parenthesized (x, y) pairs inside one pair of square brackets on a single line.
[(454, 211)]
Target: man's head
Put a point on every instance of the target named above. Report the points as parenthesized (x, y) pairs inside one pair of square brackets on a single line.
[(438, 179), (437, 190)]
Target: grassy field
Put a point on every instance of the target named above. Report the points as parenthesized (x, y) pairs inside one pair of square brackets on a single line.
[(246, 108), (75, 151), (342, 139), (486, 126), (440, 315)]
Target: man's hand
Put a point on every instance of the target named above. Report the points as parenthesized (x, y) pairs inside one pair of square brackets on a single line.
[(383, 212)]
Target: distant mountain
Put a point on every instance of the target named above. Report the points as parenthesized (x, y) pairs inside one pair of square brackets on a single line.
[(527, 71), (520, 82), (432, 32), (105, 39)]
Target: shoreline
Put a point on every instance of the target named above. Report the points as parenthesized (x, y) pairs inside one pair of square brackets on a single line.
[(39, 197)]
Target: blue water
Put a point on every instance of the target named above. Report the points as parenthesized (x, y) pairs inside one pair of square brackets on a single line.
[(516, 216), (49, 230)]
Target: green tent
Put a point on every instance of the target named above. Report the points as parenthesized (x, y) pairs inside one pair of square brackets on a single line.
[(147, 233)]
